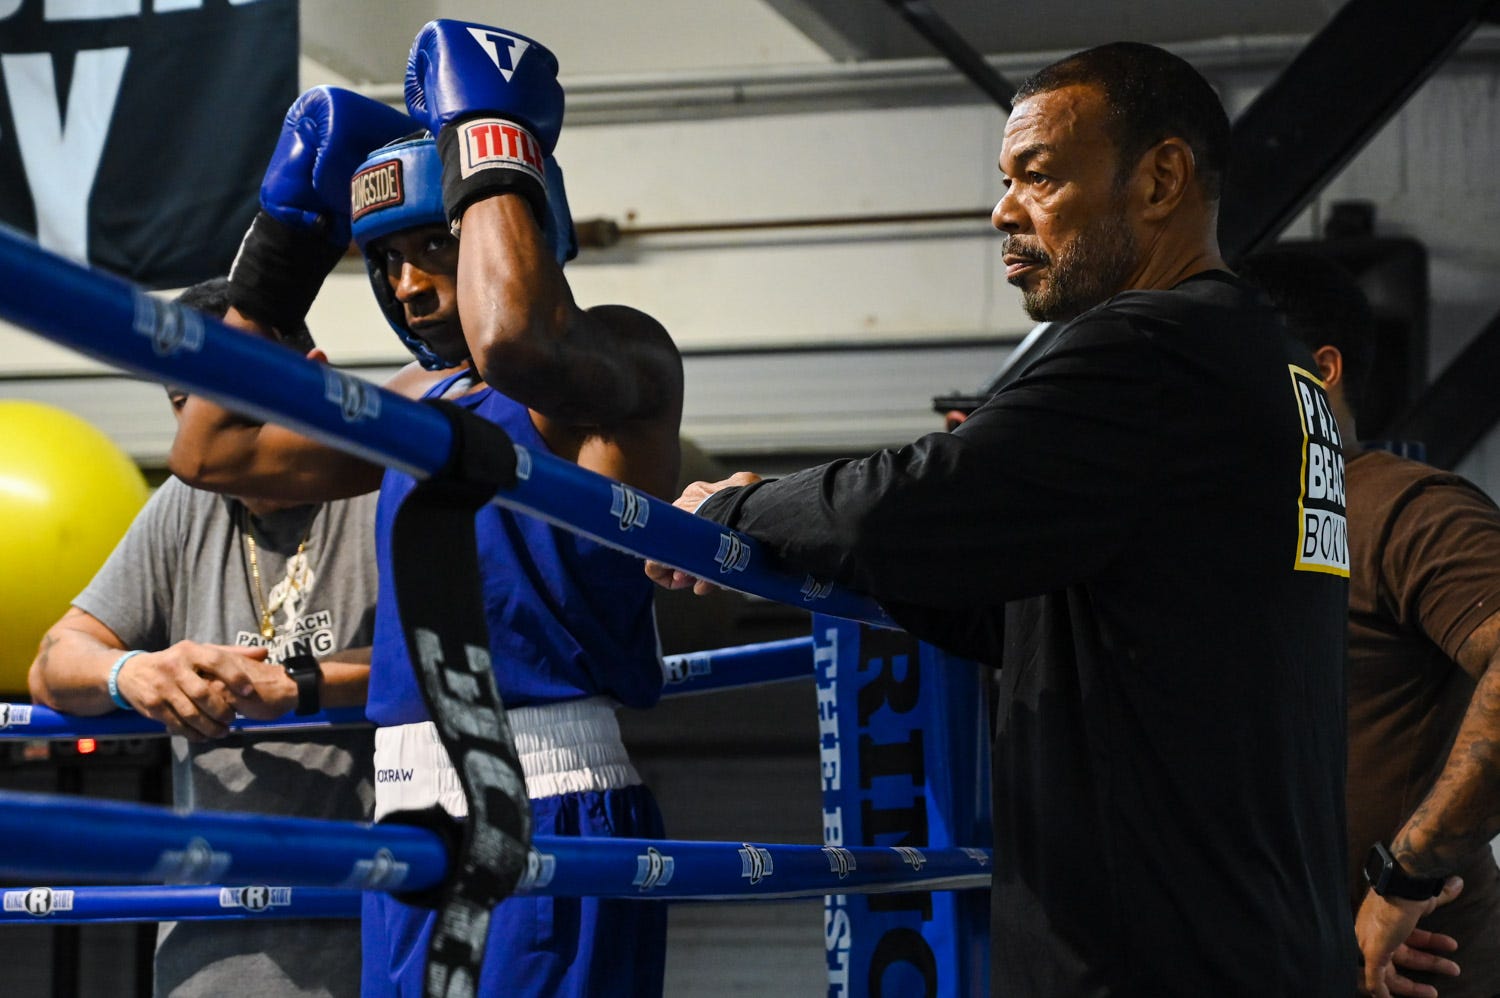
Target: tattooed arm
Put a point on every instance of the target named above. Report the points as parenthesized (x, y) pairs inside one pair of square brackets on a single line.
[(1462, 811), (189, 687), (1459, 815)]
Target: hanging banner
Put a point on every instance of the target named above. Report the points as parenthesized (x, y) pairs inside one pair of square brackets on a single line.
[(133, 133), (904, 746)]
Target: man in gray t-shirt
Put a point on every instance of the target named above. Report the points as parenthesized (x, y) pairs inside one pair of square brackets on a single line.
[(189, 622), (182, 569)]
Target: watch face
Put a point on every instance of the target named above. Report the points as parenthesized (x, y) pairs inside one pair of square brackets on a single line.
[(1388, 879), (301, 665), (1378, 864)]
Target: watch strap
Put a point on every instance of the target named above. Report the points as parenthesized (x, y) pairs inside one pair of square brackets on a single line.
[(1388, 878), (307, 673)]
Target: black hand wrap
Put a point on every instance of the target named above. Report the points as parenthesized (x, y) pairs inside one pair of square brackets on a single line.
[(438, 596), (278, 271), (484, 156)]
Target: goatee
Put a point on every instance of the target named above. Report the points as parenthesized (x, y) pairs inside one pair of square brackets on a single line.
[(1092, 268)]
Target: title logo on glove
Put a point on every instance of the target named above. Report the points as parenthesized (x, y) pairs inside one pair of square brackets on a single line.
[(505, 51), (494, 143)]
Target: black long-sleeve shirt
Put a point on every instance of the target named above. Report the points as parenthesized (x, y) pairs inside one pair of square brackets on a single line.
[(1145, 531)]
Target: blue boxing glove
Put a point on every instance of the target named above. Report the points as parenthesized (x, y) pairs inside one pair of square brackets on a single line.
[(302, 228), (492, 99), (558, 230), (327, 134)]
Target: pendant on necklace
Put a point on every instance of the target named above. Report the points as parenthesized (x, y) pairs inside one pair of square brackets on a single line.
[(267, 629)]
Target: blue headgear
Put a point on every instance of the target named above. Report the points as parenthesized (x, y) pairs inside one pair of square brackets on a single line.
[(401, 187)]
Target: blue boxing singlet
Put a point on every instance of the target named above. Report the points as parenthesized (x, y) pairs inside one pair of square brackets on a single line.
[(568, 617), (571, 632)]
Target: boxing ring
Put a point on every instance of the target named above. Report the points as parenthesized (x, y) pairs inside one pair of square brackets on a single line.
[(901, 726)]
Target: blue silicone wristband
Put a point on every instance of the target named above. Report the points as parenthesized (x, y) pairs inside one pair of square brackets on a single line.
[(114, 680)]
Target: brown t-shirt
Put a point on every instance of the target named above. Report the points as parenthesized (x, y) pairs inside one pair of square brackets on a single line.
[(1424, 559)]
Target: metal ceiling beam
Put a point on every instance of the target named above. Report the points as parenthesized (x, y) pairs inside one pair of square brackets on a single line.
[(851, 30), (1460, 407), (1352, 77), (831, 27), (952, 46)]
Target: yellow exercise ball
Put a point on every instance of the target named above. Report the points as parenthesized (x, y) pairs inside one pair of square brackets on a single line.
[(67, 493)]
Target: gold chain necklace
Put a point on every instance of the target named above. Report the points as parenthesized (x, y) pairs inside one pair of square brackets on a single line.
[(296, 575)]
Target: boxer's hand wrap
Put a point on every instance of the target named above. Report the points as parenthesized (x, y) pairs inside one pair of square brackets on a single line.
[(493, 100), (486, 156), (278, 271)]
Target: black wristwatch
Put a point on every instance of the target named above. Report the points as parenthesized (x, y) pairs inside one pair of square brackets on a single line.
[(308, 675), (1388, 879)]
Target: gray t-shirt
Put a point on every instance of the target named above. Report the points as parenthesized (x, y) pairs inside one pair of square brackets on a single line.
[(182, 571)]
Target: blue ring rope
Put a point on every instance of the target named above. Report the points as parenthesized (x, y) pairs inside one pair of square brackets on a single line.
[(108, 318), (23, 720), (738, 665), (99, 905), (56, 837), (693, 672)]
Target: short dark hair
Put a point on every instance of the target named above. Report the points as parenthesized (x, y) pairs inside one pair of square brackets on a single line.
[(1322, 305), (211, 297), (1151, 95)]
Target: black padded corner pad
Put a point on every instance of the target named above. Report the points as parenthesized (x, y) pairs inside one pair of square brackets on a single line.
[(482, 453), (450, 830)]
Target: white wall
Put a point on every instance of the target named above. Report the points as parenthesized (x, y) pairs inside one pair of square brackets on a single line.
[(798, 286)]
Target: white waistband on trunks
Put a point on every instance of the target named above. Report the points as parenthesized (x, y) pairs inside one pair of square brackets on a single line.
[(570, 747)]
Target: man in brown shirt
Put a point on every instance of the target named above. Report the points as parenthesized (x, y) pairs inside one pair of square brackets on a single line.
[(1424, 693)]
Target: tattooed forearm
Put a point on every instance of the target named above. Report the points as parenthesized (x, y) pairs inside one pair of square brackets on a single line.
[(1462, 811), (51, 637), (45, 649)]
